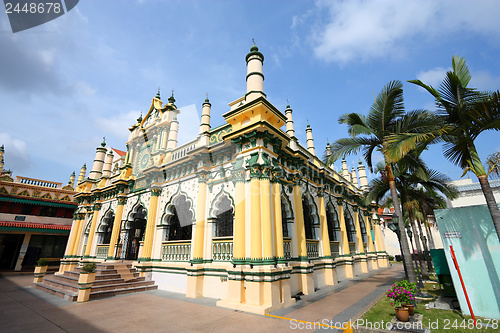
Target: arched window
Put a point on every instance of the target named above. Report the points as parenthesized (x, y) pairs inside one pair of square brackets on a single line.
[(333, 224), (135, 228), (106, 227), (179, 220), (309, 224), (351, 228), (286, 215), (224, 217), (362, 227)]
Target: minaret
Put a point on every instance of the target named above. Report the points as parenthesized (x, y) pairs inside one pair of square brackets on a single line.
[(289, 122), (310, 141), (107, 165), (172, 134), (345, 171), (354, 178), (96, 172), (2, 150), (363, 180), (255, 76), (83, 171), (205, 116), (72, 179), (329, 154)]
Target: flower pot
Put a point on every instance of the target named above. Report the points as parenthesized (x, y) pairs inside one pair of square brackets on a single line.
[(402, 314), (39, 273), (86, 278), (411, 308)]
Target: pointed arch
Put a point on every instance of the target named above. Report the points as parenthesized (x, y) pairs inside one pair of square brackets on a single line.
[(350, 226), (286, 214), (105, 227), (333, 223), (178, 218), (223, 210), (311, 219)]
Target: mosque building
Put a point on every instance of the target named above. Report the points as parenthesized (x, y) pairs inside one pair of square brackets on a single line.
[(242, 213)]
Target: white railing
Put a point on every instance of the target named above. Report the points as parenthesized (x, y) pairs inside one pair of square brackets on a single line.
[(312, 246), (222, 249), (102, 251), (287, 248), (182, 151), (176, 251)]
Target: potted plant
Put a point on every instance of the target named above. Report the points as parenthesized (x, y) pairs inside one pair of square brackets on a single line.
[(412, 288), (401, 294), (40, 269), (85, 281)]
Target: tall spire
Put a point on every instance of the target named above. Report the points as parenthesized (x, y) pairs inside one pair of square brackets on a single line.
[(354, 178), (172, 134), (83, 171), (96, 172), (310, 141), (363, 180), (255, 76), (289, 121), (205, 116)]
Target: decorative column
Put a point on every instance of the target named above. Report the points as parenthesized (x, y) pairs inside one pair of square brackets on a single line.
[(172, 134), (325, 238), (344, 266), (310, 141), (278, 226), (115, 233), (360, 265), (255, 220), (150, 225), (96, 208), (306, 279), (239, 256), (372, 255), (96, 172), (255, 76), (195, 278), (267, 227), (78, 236)]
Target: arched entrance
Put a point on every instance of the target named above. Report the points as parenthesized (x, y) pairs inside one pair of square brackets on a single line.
[(135, 227)]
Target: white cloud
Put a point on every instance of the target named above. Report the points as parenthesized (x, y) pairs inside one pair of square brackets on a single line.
[(16, 155), (433, 76), (483, 80), (84, 89), (360, 30), (118, 125)]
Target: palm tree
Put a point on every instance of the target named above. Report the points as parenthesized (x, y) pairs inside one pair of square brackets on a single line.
[(386, 118), (464, 113), (493, 163)]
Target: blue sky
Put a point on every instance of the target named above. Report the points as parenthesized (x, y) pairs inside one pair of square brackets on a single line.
[(88, 74)]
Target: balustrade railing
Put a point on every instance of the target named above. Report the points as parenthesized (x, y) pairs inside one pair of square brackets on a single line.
[(287, 248), (312, 246), (182, 151), (222, 249), (352, 248), (102, 251), (335, 249), (176, 251)]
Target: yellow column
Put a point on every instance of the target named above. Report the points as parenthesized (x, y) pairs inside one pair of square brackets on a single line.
[(343, 229), (72, 236), (324, 225), (116, 228), (239, 218), (378, 238), (369, 233), (256, 231), (267, 227), (97, 207), (278, 226), (358, 232), (199, 234), (299, 217), (78, 236), (150, 225)]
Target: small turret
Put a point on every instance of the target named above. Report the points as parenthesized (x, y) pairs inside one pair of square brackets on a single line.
[(205, 116), (172, 134), (345, 171), (107, 165), (289, 122), (310, 141), (363, 180), (83, 171), (72, 179), (96, 172), (354, 178), (2, 150), (255, 76)]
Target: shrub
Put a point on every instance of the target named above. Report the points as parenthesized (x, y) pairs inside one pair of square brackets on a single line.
[(89, 267), (401, 293), (42, 262), (391, 258)]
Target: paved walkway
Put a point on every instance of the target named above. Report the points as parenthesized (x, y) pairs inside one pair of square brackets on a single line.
[(26, 309)]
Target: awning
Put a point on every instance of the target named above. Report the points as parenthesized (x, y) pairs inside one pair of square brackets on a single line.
[(39, 202), (34, 227)]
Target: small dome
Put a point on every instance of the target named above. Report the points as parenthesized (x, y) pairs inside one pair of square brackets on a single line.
[(254, 48)]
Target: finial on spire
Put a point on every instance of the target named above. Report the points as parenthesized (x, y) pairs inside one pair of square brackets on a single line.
[(140, 118), (253, 40), (171, 99), (206, 99), (158, 94), (103, 143)]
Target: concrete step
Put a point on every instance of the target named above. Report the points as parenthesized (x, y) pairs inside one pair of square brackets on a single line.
[(70, 296), (115, 292)]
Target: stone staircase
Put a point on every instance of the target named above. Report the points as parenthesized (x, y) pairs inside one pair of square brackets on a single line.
[(107, 283)]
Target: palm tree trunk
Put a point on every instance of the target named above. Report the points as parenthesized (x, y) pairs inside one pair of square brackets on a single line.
[(423, 268), (426, 250), (491, 202), (404, 241), (432, 245)]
